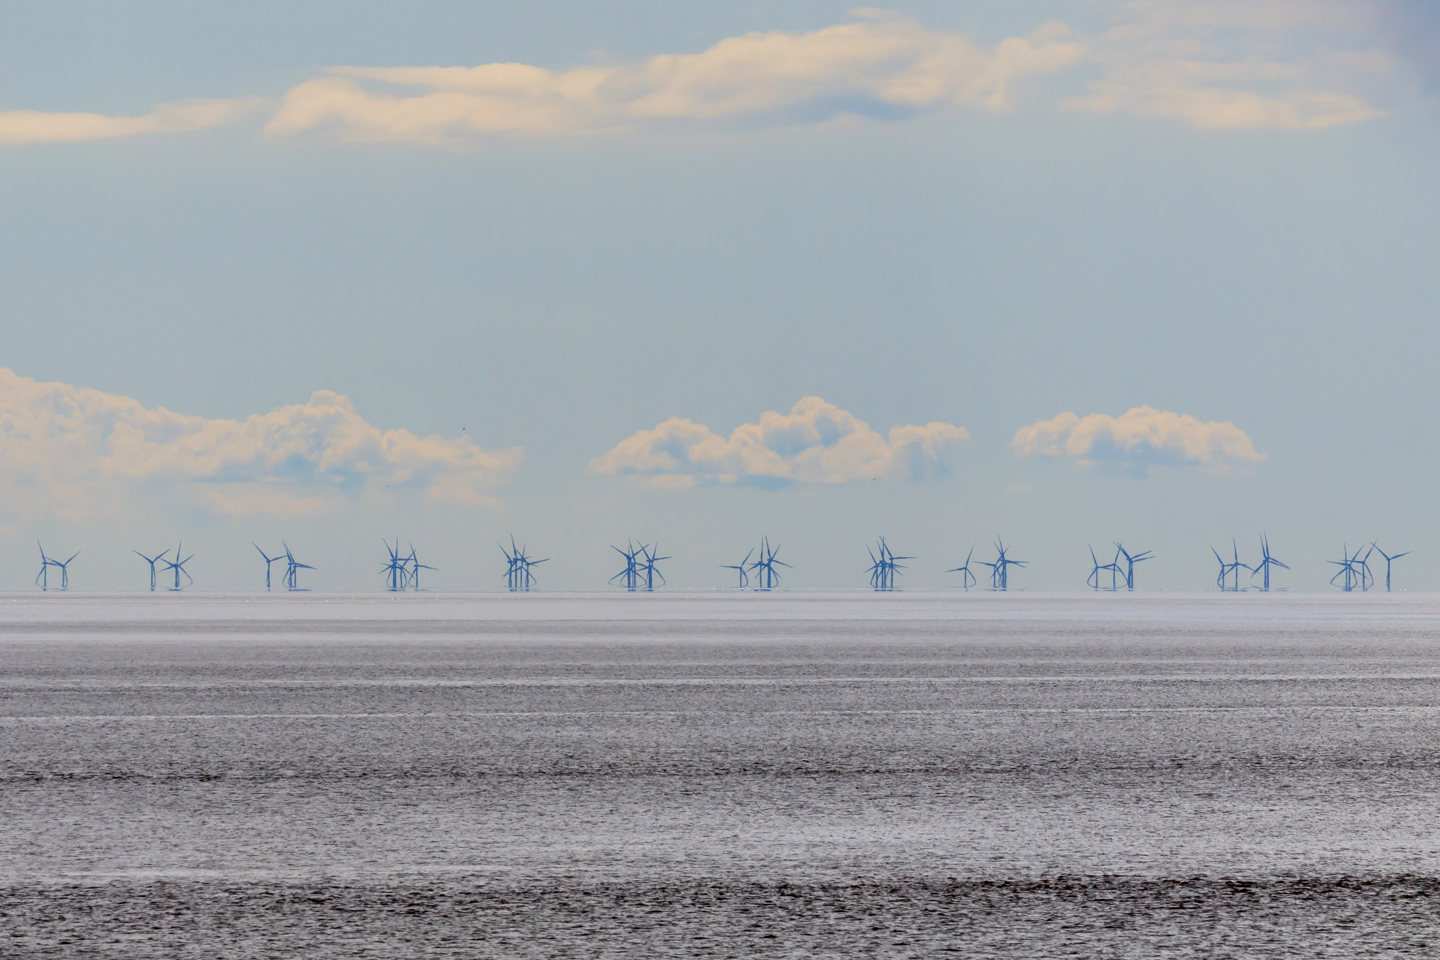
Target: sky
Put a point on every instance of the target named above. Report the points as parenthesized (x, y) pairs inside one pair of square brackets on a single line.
[(1060, 272)]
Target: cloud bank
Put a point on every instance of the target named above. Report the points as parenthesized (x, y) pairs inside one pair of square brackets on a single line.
[(30, 126), (1233, 64), (815, 443), (69, 451), (1218, 64), (1138, 439), (881, 65)]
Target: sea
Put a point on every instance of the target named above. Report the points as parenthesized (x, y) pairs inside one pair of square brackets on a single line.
[(720, 775)]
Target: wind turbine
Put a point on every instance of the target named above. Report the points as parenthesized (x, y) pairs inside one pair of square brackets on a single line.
[(1354, 570), (631, 574), (1113, 567), (292, 569), (999, 570), (878, 567), (517, 573), (42, 579), (1367, 579), (1234, 567), (1388, 560), (740, 569), (764, 567), (415, 567), (1130, 563), (967, 577), (1266, 562), (398, 569), (158, 557), (268, 562), (179, 567), (884, 567), (651, 571)]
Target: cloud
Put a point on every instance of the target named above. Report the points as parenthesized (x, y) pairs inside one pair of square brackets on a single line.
[(816, 443), (881, 65), (71, 452), (30, 126), (1234, 64), (1217, 64), (1138, 439)]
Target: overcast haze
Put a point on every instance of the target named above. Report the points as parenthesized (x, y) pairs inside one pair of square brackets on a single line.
[(1062, 272)]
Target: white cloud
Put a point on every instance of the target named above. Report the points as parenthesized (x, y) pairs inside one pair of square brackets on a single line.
[(31, 126), (1225, 64), (815, 443), (71, 451), (880, 65), (1139, 438), (1219, 64)]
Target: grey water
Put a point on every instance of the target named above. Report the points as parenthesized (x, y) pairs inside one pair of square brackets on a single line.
[(714, 775)]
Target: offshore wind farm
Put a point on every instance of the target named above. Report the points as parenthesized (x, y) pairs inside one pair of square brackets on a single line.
[(761, 570), (719, 480)]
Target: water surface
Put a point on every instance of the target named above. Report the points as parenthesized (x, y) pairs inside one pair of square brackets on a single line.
[(712, 775)]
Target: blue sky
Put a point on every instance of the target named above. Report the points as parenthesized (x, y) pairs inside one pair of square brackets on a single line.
[(979, 216)]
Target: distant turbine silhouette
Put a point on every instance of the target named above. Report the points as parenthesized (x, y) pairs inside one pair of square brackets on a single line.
[(518, 564), (766, 578), (1367, 579), (1354, 570), (292, 570), (1226, 569), (397, 571), (651, 571), (630, 576), (1130, 563), (967, 577), (740, 569), (42, 579), (1113, 568), (884, 567), (268, 562), (156, 559), (1389, 559), (415, 567), (1266, 562), (178, 566), (1000, 569)]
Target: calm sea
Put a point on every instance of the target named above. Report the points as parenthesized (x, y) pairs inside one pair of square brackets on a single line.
[(720, 776)]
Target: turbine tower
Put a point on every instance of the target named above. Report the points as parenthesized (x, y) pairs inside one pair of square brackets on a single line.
[(292, 570), (268, 561), (161, 556), (741, 570), (1130, 563), (1389, 559), (1266, 562), (967, 577), (178, 567), (764, 567), (1000, 569), (42, 579)]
